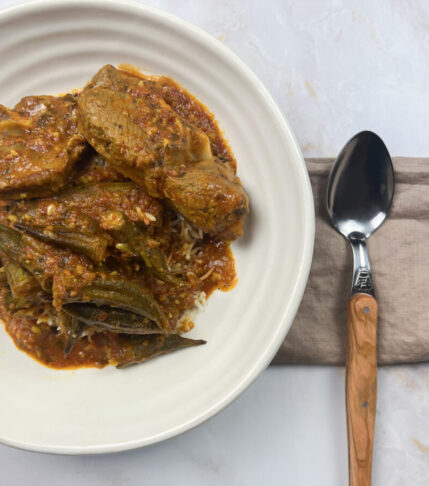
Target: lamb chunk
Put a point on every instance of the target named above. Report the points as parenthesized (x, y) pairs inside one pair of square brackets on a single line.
[(39, 143), (125, 118)]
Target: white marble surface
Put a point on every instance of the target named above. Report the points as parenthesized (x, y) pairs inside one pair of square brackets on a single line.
[(335, 67)]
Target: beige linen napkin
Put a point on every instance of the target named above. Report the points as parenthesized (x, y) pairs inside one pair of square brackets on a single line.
[(399, 255)]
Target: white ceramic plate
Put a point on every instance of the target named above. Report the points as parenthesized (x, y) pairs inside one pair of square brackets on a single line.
[(51, 47)]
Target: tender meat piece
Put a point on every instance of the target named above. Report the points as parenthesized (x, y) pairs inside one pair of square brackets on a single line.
[(166, 134), (205, 191), (126, 119), (39, 143), (188, 107)]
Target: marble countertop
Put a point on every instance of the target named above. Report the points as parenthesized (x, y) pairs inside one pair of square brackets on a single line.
[(335, 67)]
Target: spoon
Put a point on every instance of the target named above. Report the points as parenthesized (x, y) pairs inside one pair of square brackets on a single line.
[(359, 196)]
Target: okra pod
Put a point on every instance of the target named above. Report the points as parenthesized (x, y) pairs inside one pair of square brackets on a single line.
[(91, 245), (115, 320), (140, 349), (134, 240), (21, 282), (125, 295)]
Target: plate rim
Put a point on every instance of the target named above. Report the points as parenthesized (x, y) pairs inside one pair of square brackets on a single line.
[(289, 310)]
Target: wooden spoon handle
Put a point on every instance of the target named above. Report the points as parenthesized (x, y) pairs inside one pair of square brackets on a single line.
[(361, 386)]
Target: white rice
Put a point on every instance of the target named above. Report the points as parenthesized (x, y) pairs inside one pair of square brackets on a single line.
[(200, 303)]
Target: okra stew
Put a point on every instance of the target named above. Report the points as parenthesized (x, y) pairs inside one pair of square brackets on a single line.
[(118, 203)]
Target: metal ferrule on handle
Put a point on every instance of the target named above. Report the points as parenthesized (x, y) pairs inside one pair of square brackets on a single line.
[(362, 278)]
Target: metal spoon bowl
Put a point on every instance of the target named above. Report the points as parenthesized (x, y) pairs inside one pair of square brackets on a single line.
[(360, 193)]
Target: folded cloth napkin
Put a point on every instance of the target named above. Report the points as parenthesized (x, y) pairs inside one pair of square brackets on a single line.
[(399, 256)]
